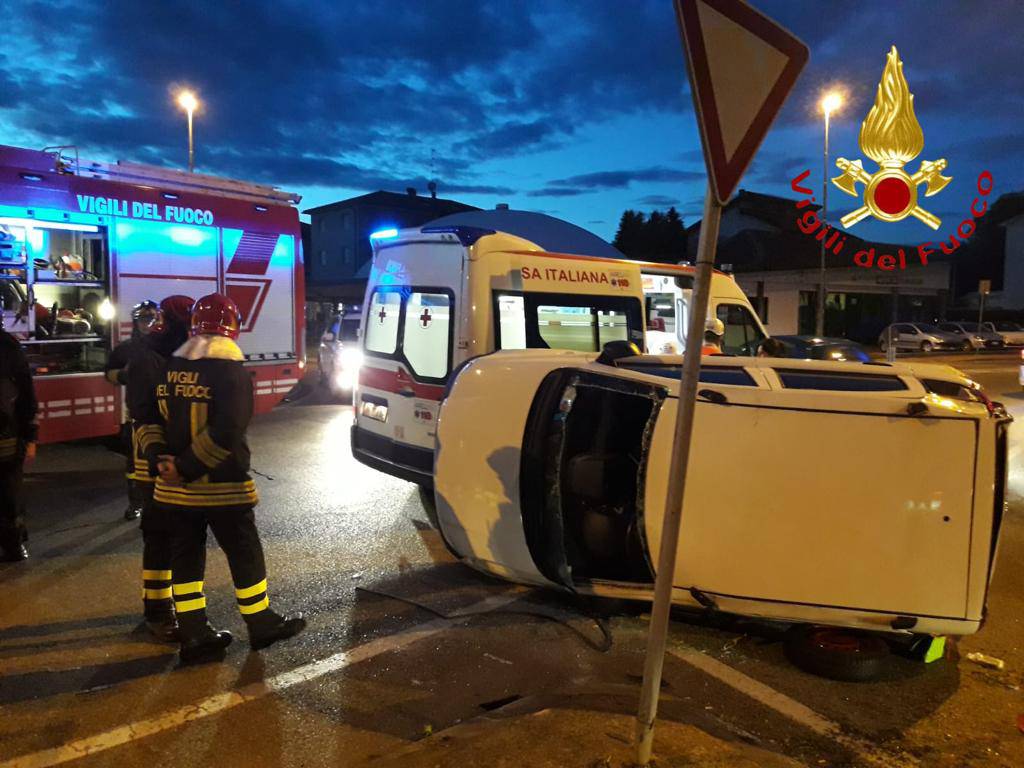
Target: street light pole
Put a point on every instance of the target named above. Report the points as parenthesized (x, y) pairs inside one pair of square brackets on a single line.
[(192, 153), (188, 101), (829, 104), (820, 324)]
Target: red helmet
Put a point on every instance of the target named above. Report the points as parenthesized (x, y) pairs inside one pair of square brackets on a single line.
[(177, 308), (216, 314)]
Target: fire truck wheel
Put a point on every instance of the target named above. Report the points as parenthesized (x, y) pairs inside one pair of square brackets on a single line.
[(429, 505), (838, 654)]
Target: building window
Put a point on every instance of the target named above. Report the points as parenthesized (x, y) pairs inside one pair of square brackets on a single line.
[(346, 254), (323, 258), (346, 221)]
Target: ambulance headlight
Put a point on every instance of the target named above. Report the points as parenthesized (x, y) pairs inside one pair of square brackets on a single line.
[(351, 359)]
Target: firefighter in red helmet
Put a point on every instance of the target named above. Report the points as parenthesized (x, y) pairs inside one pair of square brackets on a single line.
[(147, 364), (199, 444)]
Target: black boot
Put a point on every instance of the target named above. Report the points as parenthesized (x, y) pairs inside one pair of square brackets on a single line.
[(161, 621), (131, 513), (267, 627), (204, 644)]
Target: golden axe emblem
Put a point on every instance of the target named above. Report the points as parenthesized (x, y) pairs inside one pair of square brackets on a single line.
[(891, 136)]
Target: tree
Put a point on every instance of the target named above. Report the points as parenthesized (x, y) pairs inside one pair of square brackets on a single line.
[(658, 237)]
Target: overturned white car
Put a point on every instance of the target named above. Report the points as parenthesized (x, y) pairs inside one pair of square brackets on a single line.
[(841, 494)]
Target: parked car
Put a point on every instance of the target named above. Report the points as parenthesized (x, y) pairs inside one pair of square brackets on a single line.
[(1012, 333), (978, 336), (564, 485), (922, 337), (339, 355), (817, 348)]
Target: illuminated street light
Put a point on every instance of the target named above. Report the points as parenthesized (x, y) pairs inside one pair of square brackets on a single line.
[(188, 101), (830, 102)]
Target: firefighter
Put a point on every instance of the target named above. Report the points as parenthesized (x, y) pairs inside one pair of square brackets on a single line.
[(145, 315), (18, 432), (148, 363), (202, 456)]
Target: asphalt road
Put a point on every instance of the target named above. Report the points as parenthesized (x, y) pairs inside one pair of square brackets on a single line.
[(404, 642)]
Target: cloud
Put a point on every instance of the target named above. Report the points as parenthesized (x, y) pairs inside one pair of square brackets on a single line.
[(558, 192), (620, 179), (658, 201)]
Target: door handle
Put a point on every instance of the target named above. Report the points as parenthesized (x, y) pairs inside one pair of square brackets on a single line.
[(406, 392)]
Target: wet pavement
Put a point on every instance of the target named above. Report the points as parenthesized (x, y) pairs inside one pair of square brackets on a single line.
[(405, 645)]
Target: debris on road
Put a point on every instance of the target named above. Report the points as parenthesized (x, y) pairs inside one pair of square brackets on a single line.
[(986, 661), (498, 659)]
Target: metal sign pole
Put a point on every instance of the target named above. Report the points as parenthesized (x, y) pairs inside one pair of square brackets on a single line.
[(658, 633)]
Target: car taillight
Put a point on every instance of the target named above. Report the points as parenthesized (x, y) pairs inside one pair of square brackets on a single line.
[(989, 405)]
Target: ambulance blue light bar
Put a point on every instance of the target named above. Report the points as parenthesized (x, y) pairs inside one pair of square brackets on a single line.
[(384, 234), (467, 235)]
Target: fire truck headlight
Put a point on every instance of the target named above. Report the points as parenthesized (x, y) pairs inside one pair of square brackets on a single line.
[(106, 310)]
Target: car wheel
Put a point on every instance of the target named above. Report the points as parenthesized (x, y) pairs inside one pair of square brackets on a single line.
[(838, 654), (965, 347), (429, 504), (927, 346)]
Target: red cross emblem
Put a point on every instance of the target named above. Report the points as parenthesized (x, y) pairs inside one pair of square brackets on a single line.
[(382, 314), (425, 317)]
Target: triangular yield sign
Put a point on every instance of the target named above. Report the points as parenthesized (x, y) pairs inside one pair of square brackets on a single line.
[(742, 67)]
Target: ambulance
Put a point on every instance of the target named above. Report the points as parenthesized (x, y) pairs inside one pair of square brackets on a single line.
[(81, 242), (476, 282)]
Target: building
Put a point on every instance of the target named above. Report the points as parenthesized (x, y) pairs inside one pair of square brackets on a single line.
[(995, 252), (777, 265), (339, 256)]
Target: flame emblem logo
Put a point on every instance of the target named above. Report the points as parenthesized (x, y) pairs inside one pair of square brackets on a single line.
[(891, 136)]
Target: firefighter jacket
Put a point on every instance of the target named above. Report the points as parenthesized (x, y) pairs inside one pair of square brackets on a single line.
[(18, 404), (146, 366), (204, 404)]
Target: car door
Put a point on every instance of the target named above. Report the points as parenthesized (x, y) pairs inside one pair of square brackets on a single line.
[(909, 337)]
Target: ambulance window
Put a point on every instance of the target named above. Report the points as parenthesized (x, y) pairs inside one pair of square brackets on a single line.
[(382, 322), (612, 326), (511, 322), (567, 327), (426, 334), (742, 335), (841, 382)]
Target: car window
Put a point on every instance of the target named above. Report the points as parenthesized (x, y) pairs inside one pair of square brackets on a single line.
[(742, 335), (906, 329), (425, 333), (843, 382), (382, 322), (949, 327), (928, 328), (971, 327), (708, 374), (1006, 326)]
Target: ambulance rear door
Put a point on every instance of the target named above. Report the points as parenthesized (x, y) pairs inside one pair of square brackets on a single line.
[(409, 340)]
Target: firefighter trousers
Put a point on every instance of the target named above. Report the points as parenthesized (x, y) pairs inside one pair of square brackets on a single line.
[(12, 505), (235, 531), (156, 552)]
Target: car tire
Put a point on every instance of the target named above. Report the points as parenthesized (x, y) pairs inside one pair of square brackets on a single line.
[(965, 347), (429, 504), (927, 346), (836, 653)]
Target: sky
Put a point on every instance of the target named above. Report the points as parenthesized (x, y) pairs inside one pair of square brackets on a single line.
[(576, 109)]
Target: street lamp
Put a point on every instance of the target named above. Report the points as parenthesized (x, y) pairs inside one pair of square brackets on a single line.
[(830, 102), (188, 101)]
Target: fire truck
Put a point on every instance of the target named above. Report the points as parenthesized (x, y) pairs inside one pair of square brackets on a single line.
[(82, 242)]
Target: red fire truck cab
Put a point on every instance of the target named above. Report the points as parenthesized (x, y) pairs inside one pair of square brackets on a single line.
[(82, 242)]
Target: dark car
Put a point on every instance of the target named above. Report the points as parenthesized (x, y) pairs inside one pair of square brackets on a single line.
[(817, 348)]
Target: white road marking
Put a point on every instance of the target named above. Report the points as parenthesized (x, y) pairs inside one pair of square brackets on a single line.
[(869, 753), (212, 705)]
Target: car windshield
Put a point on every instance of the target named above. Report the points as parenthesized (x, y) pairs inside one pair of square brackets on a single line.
[(972, 327), (926, 328), (350, 329), (1007, 326)]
